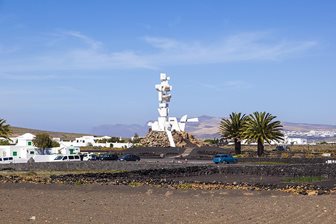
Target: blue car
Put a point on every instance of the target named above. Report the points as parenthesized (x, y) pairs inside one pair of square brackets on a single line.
[(224, 158)]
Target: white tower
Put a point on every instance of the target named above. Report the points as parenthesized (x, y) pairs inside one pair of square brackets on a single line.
[(165, 123)]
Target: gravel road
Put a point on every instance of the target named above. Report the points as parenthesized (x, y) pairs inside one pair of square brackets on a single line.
[(38, 203)]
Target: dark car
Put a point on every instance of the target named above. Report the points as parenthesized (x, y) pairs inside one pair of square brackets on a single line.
[(224, 158), (108, 157), (130, 157), (281, 148)]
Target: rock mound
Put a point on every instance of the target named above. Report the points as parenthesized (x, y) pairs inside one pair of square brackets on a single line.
[(160, 139)]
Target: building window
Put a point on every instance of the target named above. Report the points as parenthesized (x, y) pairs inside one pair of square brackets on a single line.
[(14, 153), (31, 153), (29, 143)]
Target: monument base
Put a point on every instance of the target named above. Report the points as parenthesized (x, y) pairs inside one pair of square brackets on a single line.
[(160, 139)]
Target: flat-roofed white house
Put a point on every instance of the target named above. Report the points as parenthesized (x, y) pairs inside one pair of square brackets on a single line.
[(94, 141), (23, 149), (24, 140)]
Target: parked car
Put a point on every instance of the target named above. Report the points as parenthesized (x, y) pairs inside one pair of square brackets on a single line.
[(108, 157), (130, 157), (224, 158), (67, 158), (281, 148), (90, 157)]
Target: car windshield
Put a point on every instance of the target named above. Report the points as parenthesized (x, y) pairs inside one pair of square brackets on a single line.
[(58, 157)]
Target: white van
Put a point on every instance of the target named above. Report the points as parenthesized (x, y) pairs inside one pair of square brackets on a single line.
[(67, 158), (6, 160)]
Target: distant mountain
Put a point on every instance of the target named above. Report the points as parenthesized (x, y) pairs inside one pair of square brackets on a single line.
[(289, 126), (207, 127)]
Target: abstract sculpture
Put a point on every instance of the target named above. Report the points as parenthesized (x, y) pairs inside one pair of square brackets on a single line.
[(165, 123)]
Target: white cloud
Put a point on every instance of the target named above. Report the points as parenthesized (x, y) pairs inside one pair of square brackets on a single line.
[(94, 55), (236, 48), (162, 43), (93, 44), (24, 77), (228, 85)]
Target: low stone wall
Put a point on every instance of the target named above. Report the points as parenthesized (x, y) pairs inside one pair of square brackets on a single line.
[(88, 165), (285, 160), (168, 175), (270, 160), (327, 170), (176, 169), (208, 152), (143, 152)]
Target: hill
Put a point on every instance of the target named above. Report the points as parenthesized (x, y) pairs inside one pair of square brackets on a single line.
[(120, 130), (64, 135)]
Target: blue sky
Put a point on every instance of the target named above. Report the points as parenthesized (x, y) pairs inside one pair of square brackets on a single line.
[(71, 65)]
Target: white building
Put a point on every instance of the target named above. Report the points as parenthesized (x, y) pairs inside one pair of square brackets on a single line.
[(24, 149), (296, 141), (93, 141)]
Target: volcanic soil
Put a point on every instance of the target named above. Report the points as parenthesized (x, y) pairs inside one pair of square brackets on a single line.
[(93, 203)]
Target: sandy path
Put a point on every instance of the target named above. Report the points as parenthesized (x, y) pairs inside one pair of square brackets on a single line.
[(123, 204)]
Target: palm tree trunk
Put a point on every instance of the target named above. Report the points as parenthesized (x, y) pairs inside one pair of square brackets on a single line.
[(237, 146), (260, 147)]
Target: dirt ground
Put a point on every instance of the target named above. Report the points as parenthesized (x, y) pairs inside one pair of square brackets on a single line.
[(38, 203)]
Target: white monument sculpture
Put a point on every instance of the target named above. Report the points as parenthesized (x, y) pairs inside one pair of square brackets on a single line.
[(165, 123)]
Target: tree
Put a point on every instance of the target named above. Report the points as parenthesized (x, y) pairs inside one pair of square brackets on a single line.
[(260, 127), (136, 138), (55, 144), (214, 141), (232, 128), (42, 142), (4, 142), (4, 129)]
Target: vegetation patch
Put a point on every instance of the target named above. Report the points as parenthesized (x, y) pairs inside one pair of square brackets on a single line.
[(303, 179), (185, 186), (135, 184)]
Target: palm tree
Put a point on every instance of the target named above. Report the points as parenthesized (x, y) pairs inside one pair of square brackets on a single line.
[(260, 127), (4, 129), (231, 128)]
